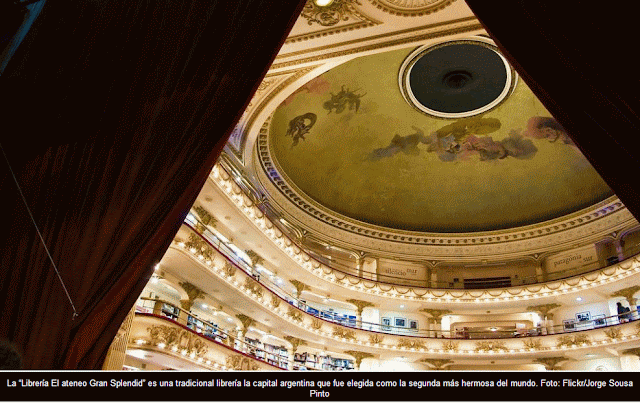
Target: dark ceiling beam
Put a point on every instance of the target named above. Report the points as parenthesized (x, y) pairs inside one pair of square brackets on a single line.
[(580, 60)]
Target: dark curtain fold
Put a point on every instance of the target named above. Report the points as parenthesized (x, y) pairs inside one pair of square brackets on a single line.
[(580, 60), (114, 113)]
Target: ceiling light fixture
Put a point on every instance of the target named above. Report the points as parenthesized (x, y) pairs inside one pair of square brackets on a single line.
[(579, 299), (323, 3)]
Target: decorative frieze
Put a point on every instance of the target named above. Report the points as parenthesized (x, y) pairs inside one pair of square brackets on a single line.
[(613, 333), (239, 362), (415, 344), (532, 344), (253, 286), (177, 339), (343, 333), (294, 314), (376, 338), (491, 345), (570, 341)]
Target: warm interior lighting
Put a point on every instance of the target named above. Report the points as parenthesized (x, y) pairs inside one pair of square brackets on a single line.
[(322, 3)]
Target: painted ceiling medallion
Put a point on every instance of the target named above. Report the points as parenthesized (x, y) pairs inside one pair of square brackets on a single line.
[(411, 7), (456, 79), (331, 14)]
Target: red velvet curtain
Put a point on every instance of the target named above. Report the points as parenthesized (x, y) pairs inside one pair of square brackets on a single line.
[(580, 59), (114, 113)]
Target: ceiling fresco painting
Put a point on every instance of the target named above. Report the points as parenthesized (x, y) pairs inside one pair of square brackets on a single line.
[(349, 141)]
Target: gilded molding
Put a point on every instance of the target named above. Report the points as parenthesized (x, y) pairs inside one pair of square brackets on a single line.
[(569, 341), (411, 8), (229, 269), (180, 339), (450, 345), (205, 216), (332, 14), (360, 305), (343, 333), (551, 289), (488, 242), (376, 338), (316, 324), (239, 362), (415, 344), (294, 314), (475, 26), (532, 344), (613, 333), (253, 285), (486, 346)]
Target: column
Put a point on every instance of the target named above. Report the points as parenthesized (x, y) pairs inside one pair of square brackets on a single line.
[(628, 294), (545, 313), (360, 305), (436, 315)]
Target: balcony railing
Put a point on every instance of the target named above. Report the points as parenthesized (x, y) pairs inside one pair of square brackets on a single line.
[(207, 330), (347, 320)]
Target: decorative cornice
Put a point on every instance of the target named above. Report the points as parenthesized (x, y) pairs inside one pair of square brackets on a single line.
[(411, 8), (596, 278), (527, 239), (421, 344)]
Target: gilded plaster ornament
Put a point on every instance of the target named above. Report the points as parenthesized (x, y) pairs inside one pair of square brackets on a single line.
[(344, 333), (411, 8), (336, 11)]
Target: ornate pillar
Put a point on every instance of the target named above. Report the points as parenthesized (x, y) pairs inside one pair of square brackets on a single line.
[(437, 364), (300, 286), (246, 322), (627, 293), (194, 293), (551, 363), (295, 343), (545, 311), (437, 315), (359, 356), (360, 305)]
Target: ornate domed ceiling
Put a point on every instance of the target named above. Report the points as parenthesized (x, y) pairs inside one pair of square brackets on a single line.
[(355, 143)]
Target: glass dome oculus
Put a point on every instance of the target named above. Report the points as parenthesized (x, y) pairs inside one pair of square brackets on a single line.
[(456, 79)]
